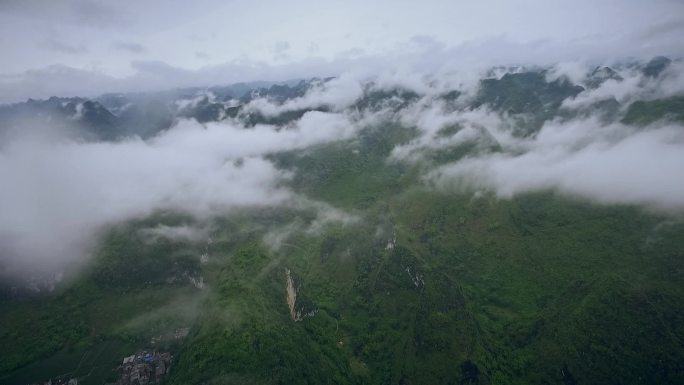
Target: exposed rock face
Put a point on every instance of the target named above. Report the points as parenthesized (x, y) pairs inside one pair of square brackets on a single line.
[(197, 282), (392, 242), (297, 310), (291, 295), (416, 278)]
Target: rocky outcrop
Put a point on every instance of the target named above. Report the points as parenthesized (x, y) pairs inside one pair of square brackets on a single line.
[(298, 309), (291, 295)]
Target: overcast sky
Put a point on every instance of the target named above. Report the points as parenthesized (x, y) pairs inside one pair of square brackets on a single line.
[(88, 47)]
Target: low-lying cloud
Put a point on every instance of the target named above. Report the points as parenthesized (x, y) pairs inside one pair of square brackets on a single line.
[(182, 233), (606, 164), (585, 156), (57, 194)]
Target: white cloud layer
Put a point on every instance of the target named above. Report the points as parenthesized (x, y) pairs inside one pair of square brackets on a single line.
[(57, 194), (607, 164)]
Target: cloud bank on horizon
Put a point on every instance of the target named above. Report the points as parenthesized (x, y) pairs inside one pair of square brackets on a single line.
[(87, 47)]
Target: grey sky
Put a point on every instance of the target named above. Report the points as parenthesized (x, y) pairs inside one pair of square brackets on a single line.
[(95, 46)]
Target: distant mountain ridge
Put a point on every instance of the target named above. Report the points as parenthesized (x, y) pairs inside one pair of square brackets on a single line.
[(525, 94)]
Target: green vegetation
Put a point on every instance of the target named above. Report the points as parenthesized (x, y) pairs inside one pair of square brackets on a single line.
[(351, 174), (121, 300), (539, 289), (642, 113), (526, 96), (425, 287)]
